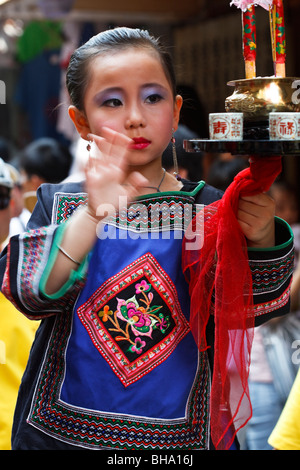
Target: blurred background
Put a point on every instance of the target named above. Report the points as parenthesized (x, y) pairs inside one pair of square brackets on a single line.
[(38, 36)]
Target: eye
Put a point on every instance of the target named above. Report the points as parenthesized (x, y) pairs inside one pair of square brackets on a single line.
[(112, 103), (154, 98)]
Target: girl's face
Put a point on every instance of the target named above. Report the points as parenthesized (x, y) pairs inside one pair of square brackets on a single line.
[(130, 93)]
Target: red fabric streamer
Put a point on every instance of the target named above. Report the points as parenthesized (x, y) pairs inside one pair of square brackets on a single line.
[(220, 283)]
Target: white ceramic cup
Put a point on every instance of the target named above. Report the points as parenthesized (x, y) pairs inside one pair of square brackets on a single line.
[(226, 126), (284, 126)]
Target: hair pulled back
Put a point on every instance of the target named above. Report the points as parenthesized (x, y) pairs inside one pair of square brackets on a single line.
[(109, 42)]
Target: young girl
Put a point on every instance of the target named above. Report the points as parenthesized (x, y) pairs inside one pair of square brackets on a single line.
[(114, 364)]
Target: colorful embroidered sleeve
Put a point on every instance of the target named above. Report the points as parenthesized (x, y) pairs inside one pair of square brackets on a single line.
[(28, 256), (271, 274)]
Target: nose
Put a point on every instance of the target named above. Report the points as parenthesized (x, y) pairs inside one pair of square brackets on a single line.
[(135, 117)]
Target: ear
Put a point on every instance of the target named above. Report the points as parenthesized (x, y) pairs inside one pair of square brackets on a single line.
[(80, 121), (177, 108)]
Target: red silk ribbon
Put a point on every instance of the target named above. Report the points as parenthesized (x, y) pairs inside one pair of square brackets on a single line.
[(220, 283)]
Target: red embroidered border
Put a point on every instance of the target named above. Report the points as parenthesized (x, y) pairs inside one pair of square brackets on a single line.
[(129, 372)]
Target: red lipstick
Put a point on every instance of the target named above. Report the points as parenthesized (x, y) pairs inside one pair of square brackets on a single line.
[(139, 143)]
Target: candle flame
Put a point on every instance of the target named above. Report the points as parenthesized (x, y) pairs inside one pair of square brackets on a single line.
[(271, 93)]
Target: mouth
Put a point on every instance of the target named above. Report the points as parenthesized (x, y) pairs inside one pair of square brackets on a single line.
[(139, 143)]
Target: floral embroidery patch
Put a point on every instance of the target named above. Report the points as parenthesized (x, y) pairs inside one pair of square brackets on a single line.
[(134, 319)]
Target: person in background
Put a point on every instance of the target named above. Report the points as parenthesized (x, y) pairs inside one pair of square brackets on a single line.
[(287, 208), (286, 434), (16, 331), (6, 185), (223, 169), (19, 214), (272, 371), (193, 114), (43, 161), (5, 150)]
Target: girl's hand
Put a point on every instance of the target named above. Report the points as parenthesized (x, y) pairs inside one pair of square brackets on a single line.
[(256, 218), (107, 176), (107, 179)]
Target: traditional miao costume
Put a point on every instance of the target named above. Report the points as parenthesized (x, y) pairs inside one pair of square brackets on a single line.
[(114, 364)]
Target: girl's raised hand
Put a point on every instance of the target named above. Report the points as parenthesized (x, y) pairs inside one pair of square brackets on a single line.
[(107, 175)]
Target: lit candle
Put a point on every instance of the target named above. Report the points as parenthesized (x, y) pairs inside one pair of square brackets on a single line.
[(249, 41), (280, 41)]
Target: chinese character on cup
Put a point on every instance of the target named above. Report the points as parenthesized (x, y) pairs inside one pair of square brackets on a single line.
[(284, 126), (226, 126)]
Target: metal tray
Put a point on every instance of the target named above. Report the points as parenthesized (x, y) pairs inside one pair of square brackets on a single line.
[(244, 147)]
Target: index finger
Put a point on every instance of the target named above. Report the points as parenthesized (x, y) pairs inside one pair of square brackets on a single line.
[(112, 137), (115, 138), (113, 144)]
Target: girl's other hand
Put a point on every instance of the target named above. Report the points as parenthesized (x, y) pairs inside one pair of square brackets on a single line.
[(256, 218)]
